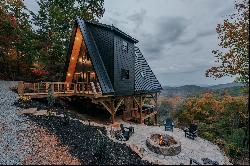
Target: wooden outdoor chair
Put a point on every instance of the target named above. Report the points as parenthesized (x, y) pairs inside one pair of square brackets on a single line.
[(126, 131), (169, 125), (208, 161), (191, 132), (194, 162)]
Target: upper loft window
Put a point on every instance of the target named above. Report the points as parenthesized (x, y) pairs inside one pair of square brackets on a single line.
[(125, 47), (124, 74)]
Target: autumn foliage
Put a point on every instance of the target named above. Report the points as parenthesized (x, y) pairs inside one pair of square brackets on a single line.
[(223, 120), (233, 55)]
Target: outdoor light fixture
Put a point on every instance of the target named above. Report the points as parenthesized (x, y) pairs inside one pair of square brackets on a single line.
[(68, 74), (72, 58)]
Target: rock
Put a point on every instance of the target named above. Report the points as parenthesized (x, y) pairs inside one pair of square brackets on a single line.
[(61, 115), (41, 112), (29, 111)]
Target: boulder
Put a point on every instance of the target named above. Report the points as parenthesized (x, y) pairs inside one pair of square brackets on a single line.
[(29, 111), (41, 112)]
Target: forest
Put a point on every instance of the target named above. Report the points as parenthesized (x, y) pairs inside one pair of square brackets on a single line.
[(33, 46)]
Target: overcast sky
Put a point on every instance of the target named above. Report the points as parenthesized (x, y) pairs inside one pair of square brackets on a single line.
[(175, 36)]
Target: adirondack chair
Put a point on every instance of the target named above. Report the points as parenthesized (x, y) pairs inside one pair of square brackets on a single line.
[(126, 131), (191, 132), (208, 161), (169, 125), (194, 162)]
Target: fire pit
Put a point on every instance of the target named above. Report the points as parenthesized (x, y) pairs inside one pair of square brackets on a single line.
[(163, 144)]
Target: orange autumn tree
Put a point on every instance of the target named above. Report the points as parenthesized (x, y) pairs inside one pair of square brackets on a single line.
[(233, 57), (222, 120), (203, 109)]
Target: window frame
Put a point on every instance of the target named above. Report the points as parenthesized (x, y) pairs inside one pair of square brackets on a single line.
[(124, 46), (124, 74)]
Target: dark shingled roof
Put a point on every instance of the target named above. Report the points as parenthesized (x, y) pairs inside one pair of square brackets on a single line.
[(145, 80), (94, 54), (114, 29)]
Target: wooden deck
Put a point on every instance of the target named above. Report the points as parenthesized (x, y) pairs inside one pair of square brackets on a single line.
[(91, 90)]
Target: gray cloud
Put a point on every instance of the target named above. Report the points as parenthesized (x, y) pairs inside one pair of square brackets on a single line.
[(138, 18), (169, 29)]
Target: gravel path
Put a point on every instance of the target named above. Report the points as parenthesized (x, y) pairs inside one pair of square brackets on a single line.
[(23, 142)]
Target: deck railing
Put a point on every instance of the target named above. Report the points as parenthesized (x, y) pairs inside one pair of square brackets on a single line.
[(43, 88), (88, 88)]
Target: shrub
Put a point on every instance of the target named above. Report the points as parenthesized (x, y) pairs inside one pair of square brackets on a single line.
[(233, 151), (24, 99), (149, 121), (208, 135)]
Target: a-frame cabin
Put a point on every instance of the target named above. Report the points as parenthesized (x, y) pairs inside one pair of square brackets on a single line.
[(105, 59), (104, 64)]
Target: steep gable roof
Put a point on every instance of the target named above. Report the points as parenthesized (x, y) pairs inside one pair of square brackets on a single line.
[(145, 80), (94, 54), (114, 29)]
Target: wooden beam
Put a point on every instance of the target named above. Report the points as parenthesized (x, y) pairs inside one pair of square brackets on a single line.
[(112, 108), (136, 101), (141, 109), (106, 106), (20, 88), (118, 105)]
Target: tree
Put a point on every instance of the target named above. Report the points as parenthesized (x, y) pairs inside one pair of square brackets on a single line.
[(54, 22), (234, 42), (15, 37)]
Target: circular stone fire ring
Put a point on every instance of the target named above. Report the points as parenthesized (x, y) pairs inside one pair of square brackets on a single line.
[(171, 147)]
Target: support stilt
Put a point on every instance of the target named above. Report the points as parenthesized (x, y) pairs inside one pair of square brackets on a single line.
[(109, 104)]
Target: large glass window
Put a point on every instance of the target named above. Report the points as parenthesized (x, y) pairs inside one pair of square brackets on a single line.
[(124, 74)]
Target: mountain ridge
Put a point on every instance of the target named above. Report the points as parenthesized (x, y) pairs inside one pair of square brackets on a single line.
[(233, 89)]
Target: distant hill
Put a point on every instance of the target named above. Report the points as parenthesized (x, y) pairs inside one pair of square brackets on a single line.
[(228, 85), (233, 89)]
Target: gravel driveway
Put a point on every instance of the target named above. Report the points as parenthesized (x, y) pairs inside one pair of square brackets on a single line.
[(23, 142)]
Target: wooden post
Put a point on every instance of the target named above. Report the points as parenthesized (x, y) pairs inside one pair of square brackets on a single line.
[(74, 88), (156, 106), (52, 88), (38, 87), (155, 118), (93, 87), (20, 88), (46, 87), (83, 88), (112, 108), (140, 107)]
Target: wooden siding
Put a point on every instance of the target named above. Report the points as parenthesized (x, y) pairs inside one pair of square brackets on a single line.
[(123, 61), (74, 56)]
